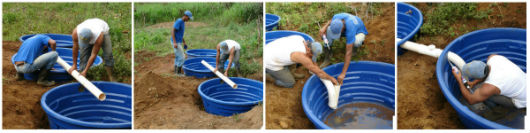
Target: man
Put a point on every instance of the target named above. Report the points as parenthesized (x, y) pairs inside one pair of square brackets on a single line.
[(88, 37), (177, 41), (227, 50), (289, 50), (503, 82), (30, 58), (349, 26)]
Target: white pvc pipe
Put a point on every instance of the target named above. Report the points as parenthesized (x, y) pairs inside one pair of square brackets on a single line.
[(333, 93), (83, 81), (220, 75), (431, 50)]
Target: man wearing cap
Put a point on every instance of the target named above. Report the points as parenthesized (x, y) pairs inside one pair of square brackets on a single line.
[(503, 82), (88, 37), (346, 25), (289, 50), (177, 41), (227, 50), (31, 58)]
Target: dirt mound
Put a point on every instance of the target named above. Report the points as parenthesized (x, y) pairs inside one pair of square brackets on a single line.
[(284, 106), (380, 41), (165, 101), (21, 99)]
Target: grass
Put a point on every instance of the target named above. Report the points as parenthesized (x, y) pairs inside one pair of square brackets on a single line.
[(214, 22), (33, 18), (442, 18), (309, 17)]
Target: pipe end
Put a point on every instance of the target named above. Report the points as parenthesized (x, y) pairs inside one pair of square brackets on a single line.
[(102, 97), (235, 86)]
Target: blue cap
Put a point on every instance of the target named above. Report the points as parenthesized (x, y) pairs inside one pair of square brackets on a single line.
[(316, 49), (224, 47), (188, 13), (474, 69), (85, 35), (334, 29)]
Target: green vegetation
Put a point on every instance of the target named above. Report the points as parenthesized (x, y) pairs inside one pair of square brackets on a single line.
[(214, 22), (33, 18), (442, 18), (309, 17)]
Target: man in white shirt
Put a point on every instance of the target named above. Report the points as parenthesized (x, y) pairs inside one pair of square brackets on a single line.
[(290, 50), (228, 50), (503, 82), (88, 37)]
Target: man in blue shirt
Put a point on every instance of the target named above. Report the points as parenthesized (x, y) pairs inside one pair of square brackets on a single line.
[(177, 41), (348, 26), (32, 58)]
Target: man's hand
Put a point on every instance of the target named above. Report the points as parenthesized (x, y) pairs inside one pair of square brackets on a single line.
[(457, 74), (333, 80), (71, 69), (226, 73), (341, 77), (322, 32), (215, 70), (175, 45), (84, 73)]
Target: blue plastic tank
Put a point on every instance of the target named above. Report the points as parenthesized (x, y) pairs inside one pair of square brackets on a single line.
[(69, 108), (409, 21), (194, 67), (58, 73), (271, 21), (365, 82), (194, 53), (62, 40), (273, 35), (478, 45), (221, 99)]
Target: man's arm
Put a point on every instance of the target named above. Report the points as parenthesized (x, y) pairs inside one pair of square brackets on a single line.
[(52, 44), (95, 51), (324, 28), (173, 38), (217, 57), (347, 59), (230, 58), (75, 51), (480, 94), (299, 57)]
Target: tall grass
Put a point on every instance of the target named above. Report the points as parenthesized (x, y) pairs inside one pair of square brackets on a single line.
[(33, 18), (148, 13), (241, 22), (444, 16)]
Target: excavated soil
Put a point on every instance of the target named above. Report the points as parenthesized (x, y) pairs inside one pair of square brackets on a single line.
[(165, 101)]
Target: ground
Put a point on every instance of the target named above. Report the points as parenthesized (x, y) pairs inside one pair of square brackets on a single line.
[(173, 102), (283, 105), (421, 104)]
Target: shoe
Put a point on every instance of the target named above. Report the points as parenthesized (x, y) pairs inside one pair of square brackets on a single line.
[(41, 80), (180, 73)]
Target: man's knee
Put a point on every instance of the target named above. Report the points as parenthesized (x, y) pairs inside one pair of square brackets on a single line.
[(54, 55)]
